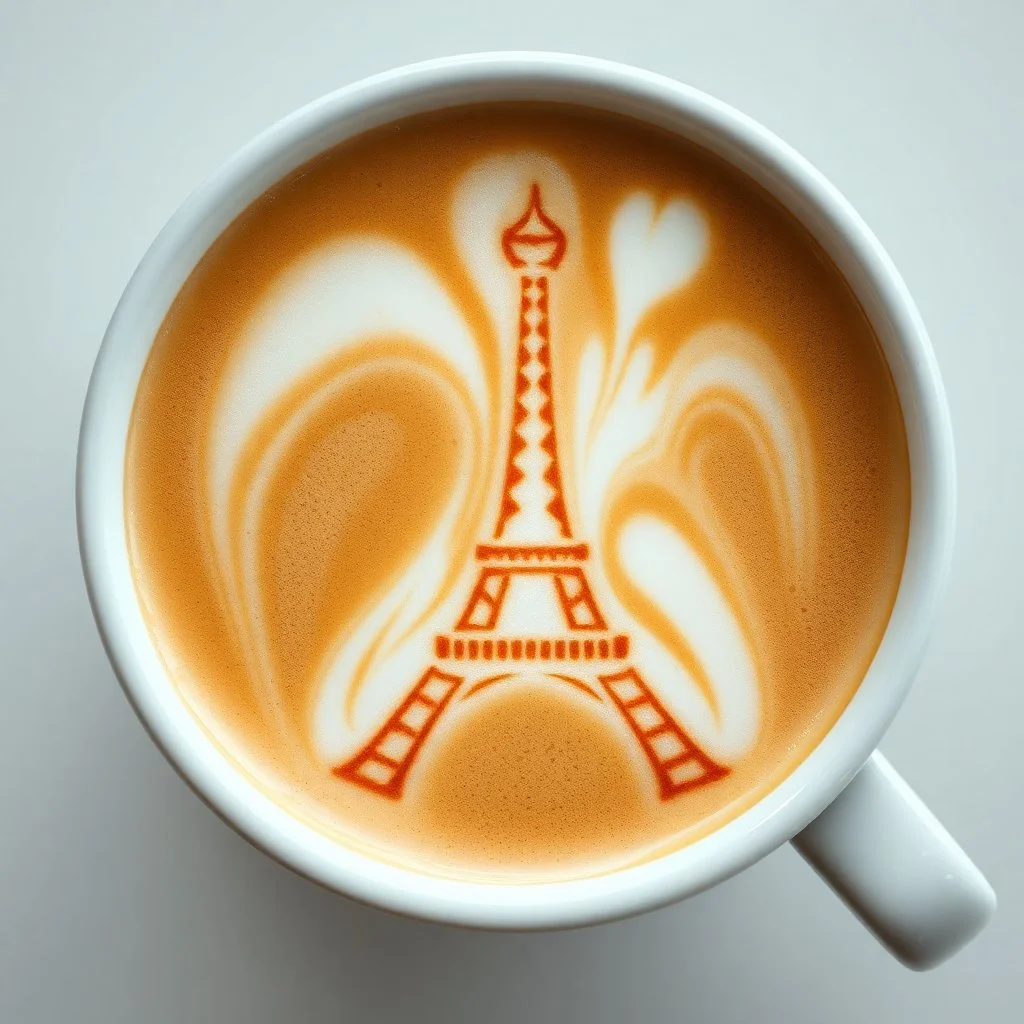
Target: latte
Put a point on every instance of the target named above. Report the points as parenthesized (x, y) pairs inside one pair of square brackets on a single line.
[(516, 492)]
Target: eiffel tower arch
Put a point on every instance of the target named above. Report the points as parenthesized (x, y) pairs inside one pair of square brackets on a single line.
[(532, 606)]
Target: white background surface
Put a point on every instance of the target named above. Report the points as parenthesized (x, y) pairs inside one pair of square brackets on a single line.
[(122, 899)]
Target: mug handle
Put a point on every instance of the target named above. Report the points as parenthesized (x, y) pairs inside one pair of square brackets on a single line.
[(890, 860)]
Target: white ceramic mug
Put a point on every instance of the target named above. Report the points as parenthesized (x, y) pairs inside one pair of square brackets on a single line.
[(844, 807)]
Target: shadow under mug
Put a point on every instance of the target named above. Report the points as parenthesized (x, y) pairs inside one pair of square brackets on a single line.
[(844, 807)]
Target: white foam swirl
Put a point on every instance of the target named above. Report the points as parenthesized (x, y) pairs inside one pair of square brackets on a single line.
[(334, 299)]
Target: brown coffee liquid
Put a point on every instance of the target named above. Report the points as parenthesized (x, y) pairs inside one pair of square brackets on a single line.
[(534, 774)]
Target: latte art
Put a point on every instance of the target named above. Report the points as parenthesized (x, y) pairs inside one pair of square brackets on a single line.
[(518, 422)]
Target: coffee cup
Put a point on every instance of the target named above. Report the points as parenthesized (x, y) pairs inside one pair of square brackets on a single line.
[(844, 807)]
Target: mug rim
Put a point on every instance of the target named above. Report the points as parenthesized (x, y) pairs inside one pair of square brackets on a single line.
[(454, 81)]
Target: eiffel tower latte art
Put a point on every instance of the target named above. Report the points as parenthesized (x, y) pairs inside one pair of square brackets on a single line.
[(510, 617), (520, 493)]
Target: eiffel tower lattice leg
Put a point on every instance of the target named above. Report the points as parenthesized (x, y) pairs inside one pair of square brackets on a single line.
[(678, 762), (382, 765)]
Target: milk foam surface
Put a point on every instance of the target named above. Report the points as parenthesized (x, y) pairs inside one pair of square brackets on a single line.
[(322, 446)]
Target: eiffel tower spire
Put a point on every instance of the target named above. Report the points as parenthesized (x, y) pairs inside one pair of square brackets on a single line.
[(532, 509)]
